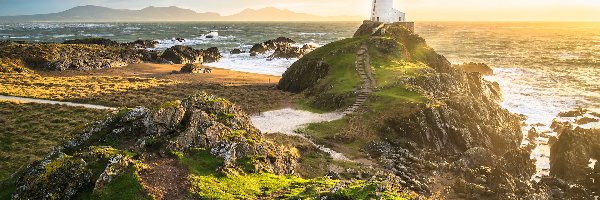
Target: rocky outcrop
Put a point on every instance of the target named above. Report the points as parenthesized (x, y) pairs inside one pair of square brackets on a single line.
[(199, 122), (98, 41), (289, 52), (270, 45), (182, 55), (139, 44), (468, 115), (190, 69), (472, 67), (211, 55), (572, 155), (72, 56), (142, 44)]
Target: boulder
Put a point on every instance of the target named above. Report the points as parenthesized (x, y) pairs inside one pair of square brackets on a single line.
[(190, 69), (182, 55), (211, 55), (287, 52), (236, 51)]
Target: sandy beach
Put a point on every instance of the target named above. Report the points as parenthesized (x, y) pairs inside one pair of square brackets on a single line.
[(166, 71)]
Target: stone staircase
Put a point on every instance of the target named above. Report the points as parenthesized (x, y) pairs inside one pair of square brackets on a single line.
[(363, 66)]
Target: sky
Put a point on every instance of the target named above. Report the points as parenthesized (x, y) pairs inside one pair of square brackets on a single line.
[(417, 10)]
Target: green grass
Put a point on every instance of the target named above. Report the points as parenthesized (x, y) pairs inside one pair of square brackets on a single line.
[(342, 135), (126, 186), (207, 183), (30, 131)]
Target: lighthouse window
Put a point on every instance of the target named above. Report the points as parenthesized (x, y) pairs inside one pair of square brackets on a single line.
[(400, 19), (377, 18)]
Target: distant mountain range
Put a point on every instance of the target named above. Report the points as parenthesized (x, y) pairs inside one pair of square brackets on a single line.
[(103, 14)]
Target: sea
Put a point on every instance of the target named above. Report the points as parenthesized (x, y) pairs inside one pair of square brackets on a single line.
[(542, 68)]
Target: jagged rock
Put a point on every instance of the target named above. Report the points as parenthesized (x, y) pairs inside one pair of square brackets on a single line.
[(573, 113), (453, 127), (235, 51), (287, 52), (142, 44), (472, 67), (190, 69), (211, 55), (270, 45), (182, 55), (532, 134), (58, 177), (570, 157)]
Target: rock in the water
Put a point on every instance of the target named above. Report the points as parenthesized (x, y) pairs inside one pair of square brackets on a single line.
[(211, 55), (481, 68), (182, 55), (142, 44), (573, 113), (570, 157), (190, 69), (236, 51), (270, 45)]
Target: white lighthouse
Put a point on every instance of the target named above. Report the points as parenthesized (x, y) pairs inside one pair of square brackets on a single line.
[(383, 11)]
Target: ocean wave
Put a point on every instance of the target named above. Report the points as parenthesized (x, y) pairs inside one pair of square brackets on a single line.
[(63, 36), (97, 35), (320, 34), (253, 64), (167, 43), (19, 37)]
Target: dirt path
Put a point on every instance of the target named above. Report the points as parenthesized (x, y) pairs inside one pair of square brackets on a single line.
[(363, 66), (165, 178), (42, 101), (288, 120)]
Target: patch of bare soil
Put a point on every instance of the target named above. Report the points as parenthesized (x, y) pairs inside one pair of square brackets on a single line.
[(165, 178)]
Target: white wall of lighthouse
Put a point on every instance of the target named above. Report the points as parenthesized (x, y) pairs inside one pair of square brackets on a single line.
[(383, 11)]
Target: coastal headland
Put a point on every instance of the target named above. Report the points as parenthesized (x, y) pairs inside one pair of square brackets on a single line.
[(405, 124)]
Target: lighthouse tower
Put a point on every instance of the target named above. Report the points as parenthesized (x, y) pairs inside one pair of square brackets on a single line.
[(383, 11)]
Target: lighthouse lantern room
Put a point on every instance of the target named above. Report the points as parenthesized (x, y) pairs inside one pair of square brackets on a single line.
[(383, 11)]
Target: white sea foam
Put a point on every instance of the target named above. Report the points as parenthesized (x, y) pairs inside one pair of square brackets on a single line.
[(592, 163), (97, 35), (167, 43), (63, 36), (254, 64)]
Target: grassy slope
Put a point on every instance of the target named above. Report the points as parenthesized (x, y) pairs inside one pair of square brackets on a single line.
[(335, 90), (30, 131), (350, 134)]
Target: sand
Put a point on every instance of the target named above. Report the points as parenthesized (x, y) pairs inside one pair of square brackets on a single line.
[(165, 71)]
